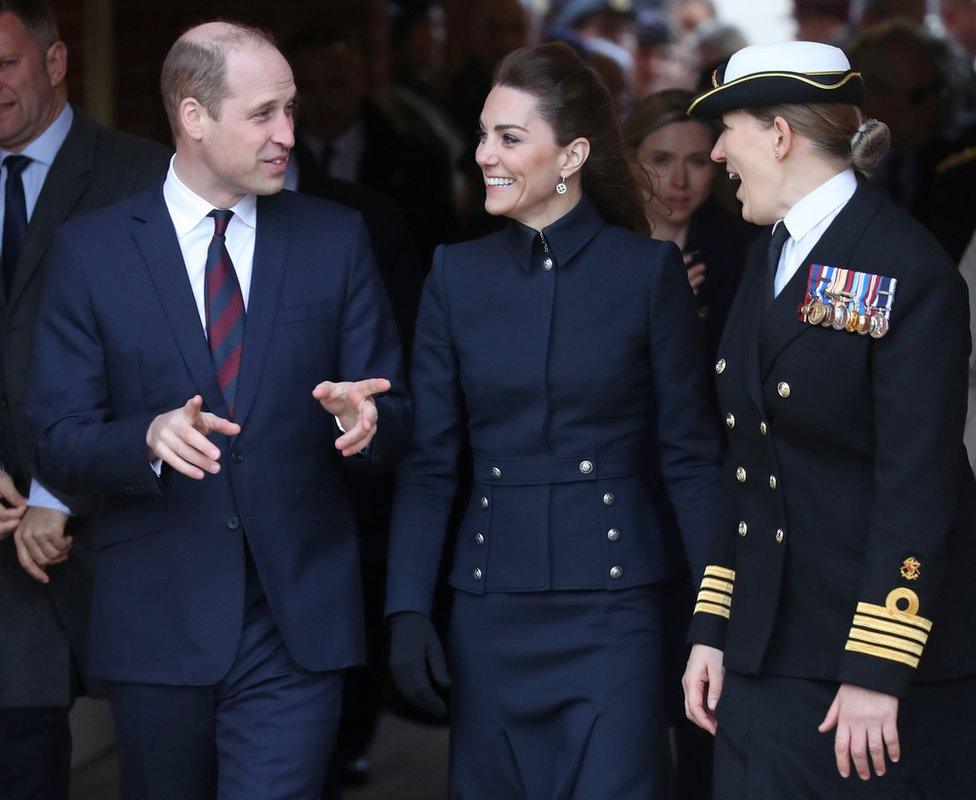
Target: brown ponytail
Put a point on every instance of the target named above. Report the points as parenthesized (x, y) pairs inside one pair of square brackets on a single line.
[(574, 102)]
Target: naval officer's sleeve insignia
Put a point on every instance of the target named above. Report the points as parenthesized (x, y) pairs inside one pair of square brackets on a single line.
[(894, 631), (911, 568)]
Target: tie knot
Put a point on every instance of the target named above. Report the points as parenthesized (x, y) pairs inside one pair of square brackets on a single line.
[(780, 235), (16, 164), (221, 217)]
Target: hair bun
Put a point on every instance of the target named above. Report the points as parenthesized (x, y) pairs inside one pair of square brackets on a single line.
[(869, 144)]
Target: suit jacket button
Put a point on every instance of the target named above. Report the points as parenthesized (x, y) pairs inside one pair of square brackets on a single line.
[(780, 535), (783, 388), (496, 473), (720, 366), (616, 573), (763, 428), (772, 481), (586, 467), (479, 538), (609, 499), (477, 574), (730, 420), (743, 529), (484, 502), (547, 264), (237, 456), (740, 474), (613, 534), (233, 523)]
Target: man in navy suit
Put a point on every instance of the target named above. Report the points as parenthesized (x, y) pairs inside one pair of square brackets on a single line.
[(205, 352)]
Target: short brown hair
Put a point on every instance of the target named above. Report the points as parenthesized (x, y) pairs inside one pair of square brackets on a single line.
[(198, 69), (38, 19), (835, 129)]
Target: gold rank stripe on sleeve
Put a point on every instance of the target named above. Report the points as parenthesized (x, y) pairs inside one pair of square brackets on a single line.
[(715, 594), (890, 632)]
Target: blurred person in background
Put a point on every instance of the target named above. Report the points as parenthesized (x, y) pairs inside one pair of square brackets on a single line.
[(871, 13), (656, 62), (710, 46), (688, 15), (823, 21), (613, 20), (615, 66), (909, 92), (341, 131)]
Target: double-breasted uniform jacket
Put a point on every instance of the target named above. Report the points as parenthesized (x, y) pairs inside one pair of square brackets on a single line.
[(572, 357), (846, 551)]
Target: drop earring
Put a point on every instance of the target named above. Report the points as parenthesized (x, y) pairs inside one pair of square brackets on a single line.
[(561, 187)]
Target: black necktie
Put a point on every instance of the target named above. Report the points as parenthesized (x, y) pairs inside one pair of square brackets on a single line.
[(776, 242), (14, 217)]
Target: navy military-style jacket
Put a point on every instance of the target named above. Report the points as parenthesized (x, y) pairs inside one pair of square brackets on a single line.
[(572, 357), (847, 551)]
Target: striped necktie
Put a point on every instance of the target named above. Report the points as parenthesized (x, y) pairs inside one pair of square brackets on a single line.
[(224, 306)]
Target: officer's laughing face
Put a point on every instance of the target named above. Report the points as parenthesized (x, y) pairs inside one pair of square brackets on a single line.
[(521, 161), (746, 147)]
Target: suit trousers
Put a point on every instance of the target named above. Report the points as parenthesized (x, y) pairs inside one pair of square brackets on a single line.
[(768, 746), (264, 732), (35, 754)]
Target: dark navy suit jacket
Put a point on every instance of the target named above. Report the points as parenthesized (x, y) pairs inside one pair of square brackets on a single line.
[(120, 341), (583, 393)]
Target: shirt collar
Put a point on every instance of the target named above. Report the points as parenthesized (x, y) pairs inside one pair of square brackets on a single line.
[(188, 209), (819, 204), (565, 237), (45, 147)]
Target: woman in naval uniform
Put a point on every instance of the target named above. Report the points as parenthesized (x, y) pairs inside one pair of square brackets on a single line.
[(841, 589), (566, 345)]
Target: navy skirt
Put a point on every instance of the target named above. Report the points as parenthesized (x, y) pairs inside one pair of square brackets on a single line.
[(557, 696)]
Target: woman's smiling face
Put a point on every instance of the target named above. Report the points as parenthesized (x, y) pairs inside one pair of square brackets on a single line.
[(747, 147)]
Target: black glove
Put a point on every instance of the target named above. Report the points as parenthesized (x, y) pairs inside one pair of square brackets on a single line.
[(414, 647)]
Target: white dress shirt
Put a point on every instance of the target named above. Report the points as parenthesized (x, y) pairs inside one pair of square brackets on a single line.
[(807, 221), (42, 151)]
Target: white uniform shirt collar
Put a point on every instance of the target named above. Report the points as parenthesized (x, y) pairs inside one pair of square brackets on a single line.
[(819, 204), (188, 209), (45, 147)]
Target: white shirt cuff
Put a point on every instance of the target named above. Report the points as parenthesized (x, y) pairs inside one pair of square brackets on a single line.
[(157, 467), (39, 497)]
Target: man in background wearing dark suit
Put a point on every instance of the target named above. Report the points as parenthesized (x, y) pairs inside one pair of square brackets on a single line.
[(56, 163)]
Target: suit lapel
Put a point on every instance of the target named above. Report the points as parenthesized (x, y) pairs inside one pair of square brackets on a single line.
[(782, 324), (267, 275), (156, 238), (67, 180)]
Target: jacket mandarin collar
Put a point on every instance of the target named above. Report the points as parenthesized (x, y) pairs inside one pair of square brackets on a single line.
[(566, 236)]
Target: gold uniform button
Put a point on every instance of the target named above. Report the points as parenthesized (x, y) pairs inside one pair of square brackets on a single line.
[(740, 474), (780, 535), (783, 388), (586, 467), (772, 482), (762, 428), (730, 420), (720, 366), (743, 529)]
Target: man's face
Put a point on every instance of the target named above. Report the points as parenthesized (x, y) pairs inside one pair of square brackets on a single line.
[(29, 80), (245, 150)]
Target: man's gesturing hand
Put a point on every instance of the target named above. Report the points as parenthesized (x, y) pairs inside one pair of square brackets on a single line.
[(352, 403), (12, 507), (40, 541), (703, 686), (180, 439), (867, 723)]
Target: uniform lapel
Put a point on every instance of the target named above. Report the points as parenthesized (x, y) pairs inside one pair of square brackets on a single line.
[(67, 180), (782, 324), (156, 238), (267, 275)]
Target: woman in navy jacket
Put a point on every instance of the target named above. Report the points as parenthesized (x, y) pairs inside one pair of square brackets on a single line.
[(566, 344)]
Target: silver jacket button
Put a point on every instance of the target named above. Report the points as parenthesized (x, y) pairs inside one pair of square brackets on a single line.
[(484, 502), (609, 499), (476, 574), (740, 474), (780, 535), (586, 467), (783, 388), (720, 366), (613, 534), (479, 538), (496, 473), (547, 264), (743, 529), (772, 481), (730, 420), (616, 572)]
